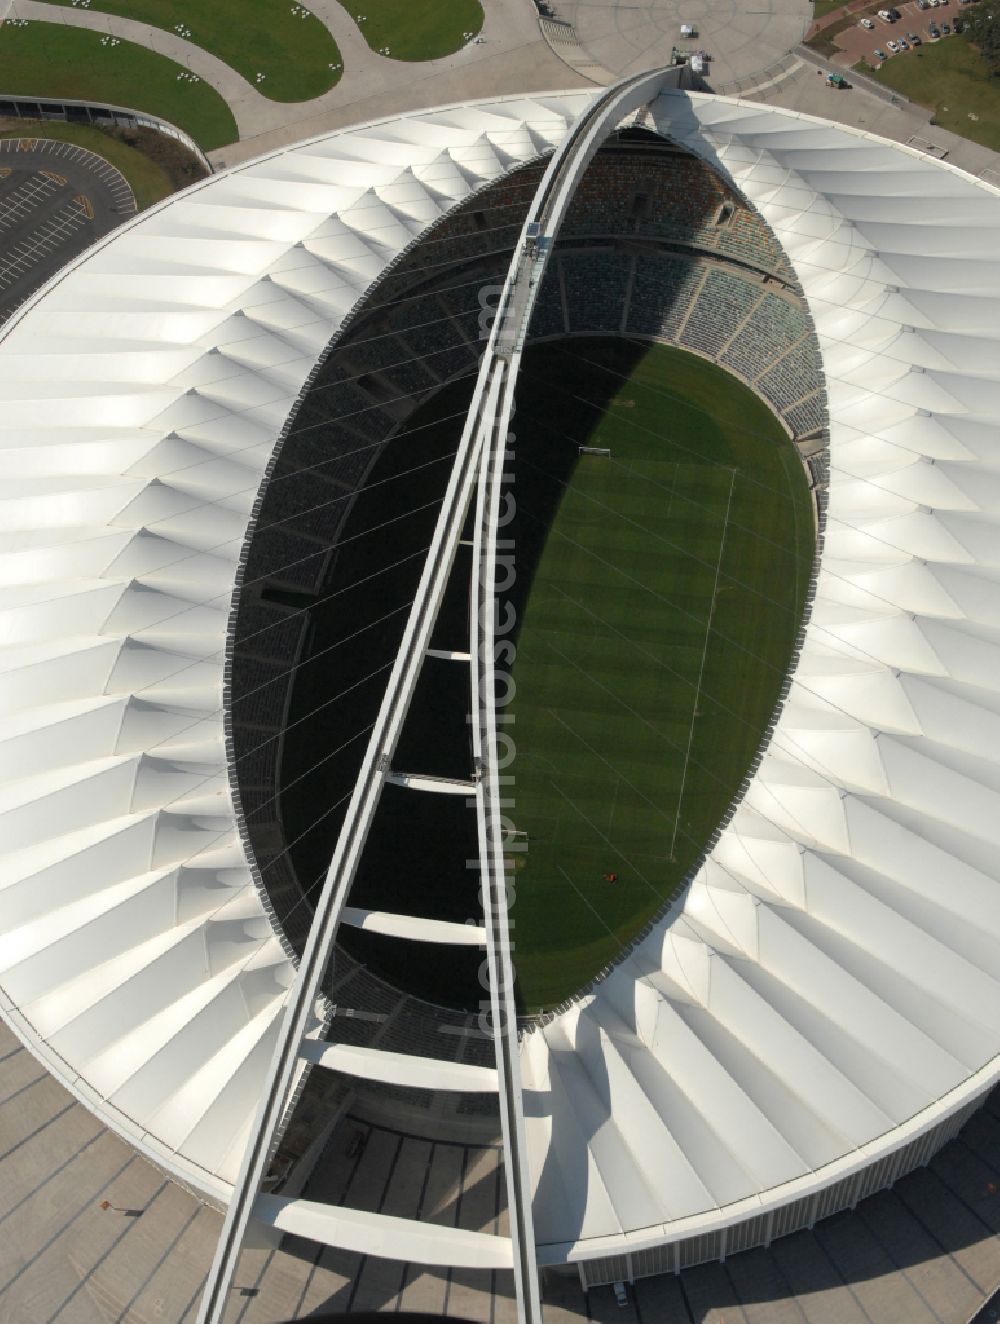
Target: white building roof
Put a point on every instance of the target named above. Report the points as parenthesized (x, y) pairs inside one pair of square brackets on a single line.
[(826, 988)]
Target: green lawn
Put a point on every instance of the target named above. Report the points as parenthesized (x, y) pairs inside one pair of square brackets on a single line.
[(656, 633), (823, 7), (149, 181), (416, 29), (48, 60), (951, 78), (252, 36)]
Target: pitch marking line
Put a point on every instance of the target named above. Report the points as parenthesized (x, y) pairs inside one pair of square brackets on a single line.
[(704, 654)]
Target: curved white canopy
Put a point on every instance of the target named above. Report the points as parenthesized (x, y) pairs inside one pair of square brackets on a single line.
[(141, 397), (823, 993), (827, 989)]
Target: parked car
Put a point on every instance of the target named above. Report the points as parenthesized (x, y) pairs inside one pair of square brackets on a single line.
[(904, 45), (879, 54), (945, 30), (913, 39), (934, 32), (896, 15), (867, 23), (885, 15), (893, 47)]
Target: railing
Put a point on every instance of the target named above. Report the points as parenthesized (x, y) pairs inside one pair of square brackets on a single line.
[(59, 108)]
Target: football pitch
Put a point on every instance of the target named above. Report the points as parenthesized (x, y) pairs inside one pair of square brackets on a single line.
[(660, 591)]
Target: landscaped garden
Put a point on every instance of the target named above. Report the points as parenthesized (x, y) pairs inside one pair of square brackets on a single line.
[(280, 39), (426, 30), (51, 61)]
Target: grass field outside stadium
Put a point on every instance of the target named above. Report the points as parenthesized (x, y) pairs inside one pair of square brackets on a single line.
[(413, 32), (668, 585), (286, 42), (48, 60)]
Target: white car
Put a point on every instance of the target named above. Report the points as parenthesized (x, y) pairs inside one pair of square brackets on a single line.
[(893, 47), (885, 15), (867, 23)]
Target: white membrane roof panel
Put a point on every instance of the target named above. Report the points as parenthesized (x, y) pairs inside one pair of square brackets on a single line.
[(824, 992)]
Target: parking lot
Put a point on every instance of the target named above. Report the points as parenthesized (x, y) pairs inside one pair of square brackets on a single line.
[(858, 43), (55, 200)]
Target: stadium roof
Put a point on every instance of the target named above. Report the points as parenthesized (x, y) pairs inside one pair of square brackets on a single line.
[(825, 991)]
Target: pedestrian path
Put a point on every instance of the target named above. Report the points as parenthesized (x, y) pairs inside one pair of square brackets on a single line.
[(512, 57), (249, 107)]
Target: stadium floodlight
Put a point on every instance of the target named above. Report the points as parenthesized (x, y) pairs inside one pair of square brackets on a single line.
[(813, 1017)]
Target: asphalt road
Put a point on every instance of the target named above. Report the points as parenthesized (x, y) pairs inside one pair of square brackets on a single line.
[(56, 199)]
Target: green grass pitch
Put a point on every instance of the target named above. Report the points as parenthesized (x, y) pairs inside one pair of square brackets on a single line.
[(658, 627)]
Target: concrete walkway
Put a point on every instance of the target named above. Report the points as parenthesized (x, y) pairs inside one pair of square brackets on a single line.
[(626, 36), (512, 58)]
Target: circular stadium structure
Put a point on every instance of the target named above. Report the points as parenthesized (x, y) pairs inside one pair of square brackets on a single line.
[(209, 546)]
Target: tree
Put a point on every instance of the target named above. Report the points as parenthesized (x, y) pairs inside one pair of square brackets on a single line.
[(980, 28)]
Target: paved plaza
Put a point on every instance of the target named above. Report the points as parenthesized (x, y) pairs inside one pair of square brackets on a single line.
[(743, 37), (513, 57), (90, 1233)]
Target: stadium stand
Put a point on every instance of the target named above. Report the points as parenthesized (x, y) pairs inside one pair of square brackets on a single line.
[(644, 191), (550, 318), (725, 301), (792, 377), (663, 290), (596, 284), (656, 246), (774, 326), (808, 415)]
